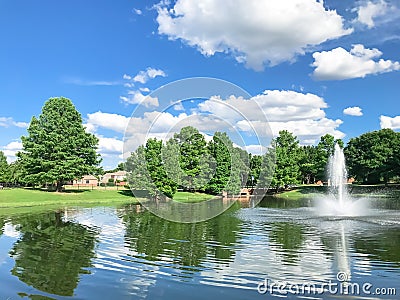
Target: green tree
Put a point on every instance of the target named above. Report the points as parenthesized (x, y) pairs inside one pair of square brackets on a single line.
[(220, 148), (374, 156), (4, 168), (137, 174), (287, 169), (17, 173), (193, 158), (57, 147), (156, 168), (255, 169), (267, 168), (310, 163)]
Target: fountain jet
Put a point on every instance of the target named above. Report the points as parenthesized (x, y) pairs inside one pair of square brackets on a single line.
[(338, 176), (338, 202)]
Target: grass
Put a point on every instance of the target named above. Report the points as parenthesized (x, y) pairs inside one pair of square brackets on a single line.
[(186, 197), (378, 190), (302, 191), (35, 197)]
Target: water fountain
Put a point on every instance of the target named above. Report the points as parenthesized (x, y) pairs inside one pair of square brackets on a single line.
[(338, 202), (338, 176)]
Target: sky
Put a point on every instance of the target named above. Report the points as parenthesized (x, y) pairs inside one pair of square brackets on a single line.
[(310, 67)]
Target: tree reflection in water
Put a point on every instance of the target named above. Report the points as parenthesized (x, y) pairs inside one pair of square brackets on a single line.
[(189, 244), (51, 253)]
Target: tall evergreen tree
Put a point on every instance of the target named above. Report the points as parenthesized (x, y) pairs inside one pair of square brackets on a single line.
[(57, 147)]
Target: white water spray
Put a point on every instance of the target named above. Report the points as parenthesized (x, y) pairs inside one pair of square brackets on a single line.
[(338, 202), (338, 176)]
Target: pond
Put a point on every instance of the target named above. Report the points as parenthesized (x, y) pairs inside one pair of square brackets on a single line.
[(274, 249)]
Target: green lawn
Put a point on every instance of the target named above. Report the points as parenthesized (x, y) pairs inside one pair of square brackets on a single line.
[(34, 197), (186, 197), (12, 198), (378, 190), (302, 191)]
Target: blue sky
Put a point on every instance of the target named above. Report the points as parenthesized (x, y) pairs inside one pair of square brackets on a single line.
[(313, 67)]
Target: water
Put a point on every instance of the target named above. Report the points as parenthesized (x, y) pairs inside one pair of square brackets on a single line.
[(338, 201), (128, 253)]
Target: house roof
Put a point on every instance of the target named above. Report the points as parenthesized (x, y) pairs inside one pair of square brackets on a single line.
[(89, 177), (119, 173)]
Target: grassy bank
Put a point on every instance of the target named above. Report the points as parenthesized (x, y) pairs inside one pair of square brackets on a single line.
[(186, 197), (27, 197), (35, 197), (303, 191), (379, 190)]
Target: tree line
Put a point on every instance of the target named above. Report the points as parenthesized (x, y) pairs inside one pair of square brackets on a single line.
[(57, 149)]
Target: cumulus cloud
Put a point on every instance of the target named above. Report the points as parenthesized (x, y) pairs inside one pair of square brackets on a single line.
[(353, 111), (8, 122), (339, 64), (367, 12), (179, 106), (109, 145), (149, 73), (254, 32), (300, 113), (114, 122), (388, 122), (11, 149), (136, 97)]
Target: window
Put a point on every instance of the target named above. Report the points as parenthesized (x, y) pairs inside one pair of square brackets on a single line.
[(87, 181)]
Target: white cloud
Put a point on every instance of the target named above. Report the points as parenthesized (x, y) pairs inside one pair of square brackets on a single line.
[(114, 122), (11, 149), (256, 149), (149, 73), (369, 11), (300, 113), (8, 122), (144, 89), (16, 145), (179, 106), (109, 145), (388, 122), (136, 97), (338, 64), (84, 82), (255, 32), (137, 11), (353, 111)]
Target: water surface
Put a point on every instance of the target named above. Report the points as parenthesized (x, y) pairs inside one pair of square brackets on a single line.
[(127, 253)]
